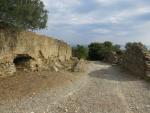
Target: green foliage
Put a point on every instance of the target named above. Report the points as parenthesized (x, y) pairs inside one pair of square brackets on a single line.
[(80, 52), (135, 44), (99, 51), (23, 14), (95, 51), (117, 49)]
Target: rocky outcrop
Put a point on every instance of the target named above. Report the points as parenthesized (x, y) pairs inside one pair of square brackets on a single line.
[(79, 65), (31, 51), (112, 58), (137, 59)]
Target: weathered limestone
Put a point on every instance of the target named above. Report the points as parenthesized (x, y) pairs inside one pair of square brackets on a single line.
[(31, 50), (79, 65), (112, 57), (137, 59)]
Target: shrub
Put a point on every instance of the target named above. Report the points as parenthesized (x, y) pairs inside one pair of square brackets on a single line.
[(99, 51), (80, 52), (95, 51)]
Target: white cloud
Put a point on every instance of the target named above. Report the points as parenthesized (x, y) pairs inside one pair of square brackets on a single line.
[(120, 23), (142, 32), (101, 31), (63, 15), (107, 2), (128, 13), (60, 3), (122, 33)]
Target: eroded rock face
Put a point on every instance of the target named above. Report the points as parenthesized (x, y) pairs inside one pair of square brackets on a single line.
[(31, 51), (137, 59), (112, 57), (79, 66)]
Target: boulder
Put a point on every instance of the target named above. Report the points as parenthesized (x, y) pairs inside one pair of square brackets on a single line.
[(79, 66)]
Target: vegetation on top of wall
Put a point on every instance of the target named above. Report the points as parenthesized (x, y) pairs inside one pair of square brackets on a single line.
[(135, 44), (22, 14)]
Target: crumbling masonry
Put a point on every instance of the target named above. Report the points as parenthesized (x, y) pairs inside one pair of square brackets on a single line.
[(29, 50)]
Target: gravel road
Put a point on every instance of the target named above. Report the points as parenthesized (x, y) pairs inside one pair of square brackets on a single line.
[(102, 89)]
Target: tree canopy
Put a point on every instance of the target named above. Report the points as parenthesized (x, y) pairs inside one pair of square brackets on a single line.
[(23, 14), (99, 51)]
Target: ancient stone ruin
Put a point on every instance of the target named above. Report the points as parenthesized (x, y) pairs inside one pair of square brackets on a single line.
[(112, 58), (27, 50), (137, 59)]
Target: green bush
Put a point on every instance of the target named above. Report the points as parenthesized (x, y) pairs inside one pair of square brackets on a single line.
[(99, 51), (80, 52), (95, 51)]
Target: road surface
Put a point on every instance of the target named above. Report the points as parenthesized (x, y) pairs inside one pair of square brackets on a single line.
[(103, 88)]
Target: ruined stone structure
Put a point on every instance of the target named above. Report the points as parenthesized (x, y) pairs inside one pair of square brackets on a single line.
[(29, 50), (137, 59), (112, 58)]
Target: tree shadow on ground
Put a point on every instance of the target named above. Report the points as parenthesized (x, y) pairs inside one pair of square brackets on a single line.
[(99, 62), (114, 73)]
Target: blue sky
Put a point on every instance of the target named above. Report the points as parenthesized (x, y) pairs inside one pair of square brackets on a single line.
[(85, 21)]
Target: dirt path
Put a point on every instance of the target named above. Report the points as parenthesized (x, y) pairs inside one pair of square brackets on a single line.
[(102, 89)]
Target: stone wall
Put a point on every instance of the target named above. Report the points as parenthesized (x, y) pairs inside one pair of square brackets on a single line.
[(40, 49), (137, 59)]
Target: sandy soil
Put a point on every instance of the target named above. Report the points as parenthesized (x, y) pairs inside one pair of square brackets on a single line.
[(102, 89)]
